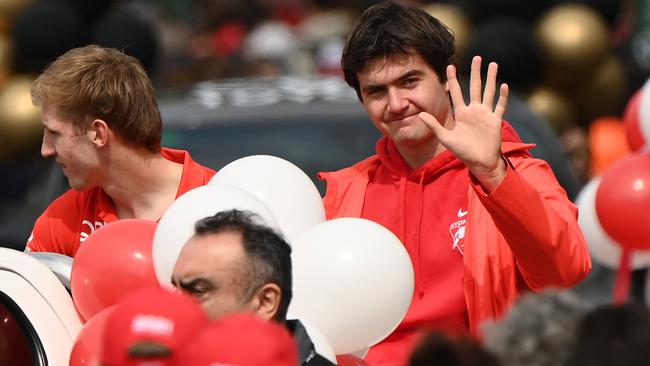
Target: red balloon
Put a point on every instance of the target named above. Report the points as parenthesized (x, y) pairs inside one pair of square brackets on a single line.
[(623, 201), (113, 262), (87, 347), (631, 116), (350, 360)]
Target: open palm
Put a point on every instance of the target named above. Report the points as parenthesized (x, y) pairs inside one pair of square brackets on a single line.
[(475, 135)]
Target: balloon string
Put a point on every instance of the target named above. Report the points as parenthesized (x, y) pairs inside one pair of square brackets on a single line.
[(623, 278)]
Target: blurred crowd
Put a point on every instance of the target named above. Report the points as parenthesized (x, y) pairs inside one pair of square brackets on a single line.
[(549, 329), (220, 39), (574, 62)]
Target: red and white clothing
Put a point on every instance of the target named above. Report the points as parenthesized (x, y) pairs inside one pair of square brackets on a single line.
[(72, 217), (472, 253)]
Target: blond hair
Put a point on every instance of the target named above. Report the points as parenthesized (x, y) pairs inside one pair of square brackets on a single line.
[(93, 82)]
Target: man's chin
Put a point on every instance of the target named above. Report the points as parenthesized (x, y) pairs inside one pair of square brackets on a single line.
[(79, 187), (411, 140)]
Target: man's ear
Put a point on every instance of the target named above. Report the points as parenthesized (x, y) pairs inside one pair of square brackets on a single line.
[(266, 301), (99, 132)]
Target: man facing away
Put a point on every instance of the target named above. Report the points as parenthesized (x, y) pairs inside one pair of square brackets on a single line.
[(233, 264), (103, 127), (481, 219)]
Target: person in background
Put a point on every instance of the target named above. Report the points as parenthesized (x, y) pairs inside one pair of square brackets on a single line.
[(235, 263), (103, 127), (438, 349), (539, 330), (613, 335), (482, 220)]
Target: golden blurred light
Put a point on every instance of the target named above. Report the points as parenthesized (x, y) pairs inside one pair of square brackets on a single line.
[(20, 120), (601, 92), (6, 58), (454, 18), (572, 37), (554, 107), (8, 10)]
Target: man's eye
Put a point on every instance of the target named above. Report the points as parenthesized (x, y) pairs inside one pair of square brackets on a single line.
[(373, 92), (408, 82), (197, 291), (194, 292)]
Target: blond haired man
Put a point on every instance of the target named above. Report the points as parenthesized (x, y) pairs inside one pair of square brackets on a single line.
[(103, 127)]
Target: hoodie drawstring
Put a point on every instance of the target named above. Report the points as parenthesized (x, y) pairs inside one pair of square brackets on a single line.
[(419, 289), (401, 223)]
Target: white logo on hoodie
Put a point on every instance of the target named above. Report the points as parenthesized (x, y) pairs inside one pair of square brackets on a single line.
[(457, 231), (88, 228)]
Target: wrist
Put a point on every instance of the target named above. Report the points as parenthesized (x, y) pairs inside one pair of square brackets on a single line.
[(490, 179)]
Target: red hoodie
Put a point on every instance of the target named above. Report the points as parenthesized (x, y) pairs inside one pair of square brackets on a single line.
[(426, 208), (433, 234), (522, 236)]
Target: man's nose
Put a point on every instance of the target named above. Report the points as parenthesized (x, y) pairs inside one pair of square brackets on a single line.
[(46, 147), (396, 101)]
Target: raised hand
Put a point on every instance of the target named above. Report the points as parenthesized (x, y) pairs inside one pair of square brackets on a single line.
[(474, 135)]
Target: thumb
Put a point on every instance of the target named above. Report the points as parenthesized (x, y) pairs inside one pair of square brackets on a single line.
[(432, 122)]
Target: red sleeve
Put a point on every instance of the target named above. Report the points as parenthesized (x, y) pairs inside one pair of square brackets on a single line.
[(539, 223), (56, 229)]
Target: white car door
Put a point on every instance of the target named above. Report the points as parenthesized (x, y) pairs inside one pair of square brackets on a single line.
[(37, 314)]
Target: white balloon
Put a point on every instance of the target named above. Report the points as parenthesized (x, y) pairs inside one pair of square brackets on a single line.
[(354, 280), (602, 248), (321, 343), (283, 187), (177, 224)]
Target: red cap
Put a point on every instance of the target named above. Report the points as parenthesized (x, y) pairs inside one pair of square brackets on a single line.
[(241, 340), (150, 327)]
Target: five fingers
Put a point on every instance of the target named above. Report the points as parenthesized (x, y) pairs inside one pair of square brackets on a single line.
[(475, 85)]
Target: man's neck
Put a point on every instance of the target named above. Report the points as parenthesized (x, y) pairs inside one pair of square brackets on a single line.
[(418, 155), (142, 184)]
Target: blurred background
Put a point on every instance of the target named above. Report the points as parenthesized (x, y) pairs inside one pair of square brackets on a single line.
[(237, 78)]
